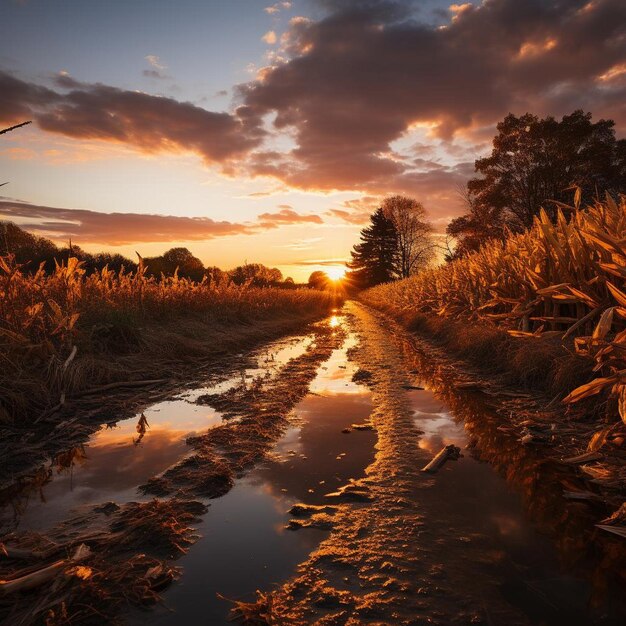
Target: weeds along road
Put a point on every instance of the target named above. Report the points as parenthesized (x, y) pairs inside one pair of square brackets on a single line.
[(310, 469)]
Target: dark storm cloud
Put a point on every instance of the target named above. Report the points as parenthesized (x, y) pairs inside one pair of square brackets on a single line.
[(361, 77), (151, 123)]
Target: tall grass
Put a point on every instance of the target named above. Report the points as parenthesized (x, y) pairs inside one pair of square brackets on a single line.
[(47, 319), (564, 279)]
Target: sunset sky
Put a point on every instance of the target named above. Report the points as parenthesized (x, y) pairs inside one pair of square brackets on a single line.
[(246, 130)]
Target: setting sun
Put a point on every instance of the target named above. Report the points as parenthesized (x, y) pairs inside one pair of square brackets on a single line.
[(337, 272)]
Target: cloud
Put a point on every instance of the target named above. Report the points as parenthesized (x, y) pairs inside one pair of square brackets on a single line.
[(115, 229), (155, 62), (286, 217), (356, 211), (350, 217), (157, 68), (303, 244), (368, 74), (154, 74), (149, 123), (277, 7), (269, 37), (343, 92), (322, 262)]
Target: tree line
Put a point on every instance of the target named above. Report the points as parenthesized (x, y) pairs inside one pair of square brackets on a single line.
[(535, 163), (33, 252)]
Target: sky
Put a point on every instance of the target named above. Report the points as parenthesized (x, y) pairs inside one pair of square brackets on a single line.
[(267, 132)]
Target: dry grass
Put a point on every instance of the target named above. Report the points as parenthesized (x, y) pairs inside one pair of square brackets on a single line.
[(563, 280), (63, 332)]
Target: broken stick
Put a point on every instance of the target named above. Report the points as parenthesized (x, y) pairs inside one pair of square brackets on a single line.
[(449, 452)]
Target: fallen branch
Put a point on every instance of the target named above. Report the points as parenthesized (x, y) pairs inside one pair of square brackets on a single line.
[(449, 452), (43, 575)]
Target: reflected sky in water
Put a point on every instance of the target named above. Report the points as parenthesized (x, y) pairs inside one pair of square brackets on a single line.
[(245, 546), (116, 458)]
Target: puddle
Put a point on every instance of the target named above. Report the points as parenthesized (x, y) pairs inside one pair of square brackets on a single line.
[(484, 513), (506, 500), (244, 544), (117, 458), (268, 362)]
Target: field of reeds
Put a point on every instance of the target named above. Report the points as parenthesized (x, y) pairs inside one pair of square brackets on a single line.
[(565, 281), (64, 332)]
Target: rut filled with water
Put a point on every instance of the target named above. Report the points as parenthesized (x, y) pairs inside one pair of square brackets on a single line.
[(473, 543)]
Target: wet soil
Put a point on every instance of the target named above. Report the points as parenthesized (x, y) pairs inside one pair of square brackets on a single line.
[(309, 461)]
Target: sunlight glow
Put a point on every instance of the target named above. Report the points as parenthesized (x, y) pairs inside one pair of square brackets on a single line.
[(336, 272)]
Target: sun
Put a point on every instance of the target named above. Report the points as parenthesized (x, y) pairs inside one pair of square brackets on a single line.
[(336, 272)]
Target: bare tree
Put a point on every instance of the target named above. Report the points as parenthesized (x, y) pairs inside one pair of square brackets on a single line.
[(415, 242)]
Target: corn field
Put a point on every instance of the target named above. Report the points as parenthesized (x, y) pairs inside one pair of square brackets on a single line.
[(45, 319), (565, 278)]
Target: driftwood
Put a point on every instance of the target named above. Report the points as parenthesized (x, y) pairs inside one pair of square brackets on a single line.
[(449, 452)]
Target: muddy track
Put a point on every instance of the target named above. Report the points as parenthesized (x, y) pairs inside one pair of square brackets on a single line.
[(405, 551), (393, 545), (387, 559)]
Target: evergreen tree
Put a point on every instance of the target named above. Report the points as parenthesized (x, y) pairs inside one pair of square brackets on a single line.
[(374, 259)]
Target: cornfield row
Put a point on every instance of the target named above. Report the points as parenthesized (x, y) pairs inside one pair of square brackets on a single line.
[(565, 278), (44, 317)]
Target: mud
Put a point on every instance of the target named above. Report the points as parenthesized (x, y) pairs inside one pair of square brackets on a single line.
[(309, 464), (446, 549)]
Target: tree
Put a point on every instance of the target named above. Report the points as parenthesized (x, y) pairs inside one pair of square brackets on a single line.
[(471, 230), (29, 250), (182, 259), (216, 276), (414, 233), (115, 262), (374, 260), (255, 274), (319, 280), (535, 162)]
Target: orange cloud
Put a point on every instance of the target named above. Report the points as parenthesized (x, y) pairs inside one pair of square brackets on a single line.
[(117, 229), (287, 216)]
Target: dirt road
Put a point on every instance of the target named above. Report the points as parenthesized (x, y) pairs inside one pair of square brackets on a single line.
[(311, 467)]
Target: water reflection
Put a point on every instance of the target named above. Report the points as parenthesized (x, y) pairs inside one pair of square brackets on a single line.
[(117, 458), (245, 546), (127, 453), (548, 585)]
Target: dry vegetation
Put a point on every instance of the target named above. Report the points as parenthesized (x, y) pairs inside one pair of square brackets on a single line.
[(558, 283), (65, 332)]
